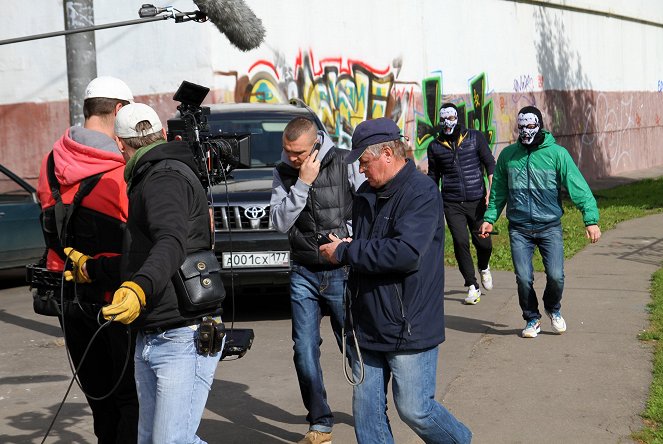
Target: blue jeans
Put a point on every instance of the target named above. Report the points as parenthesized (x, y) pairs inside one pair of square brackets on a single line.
[(173, 382), (310, 291), (414, 395), (551, 247)]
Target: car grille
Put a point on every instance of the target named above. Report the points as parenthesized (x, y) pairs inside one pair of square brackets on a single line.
[(238, 218)]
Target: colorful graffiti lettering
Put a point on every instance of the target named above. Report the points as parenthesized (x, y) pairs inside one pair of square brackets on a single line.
[(426, 123), (341, 94), (344, 93)]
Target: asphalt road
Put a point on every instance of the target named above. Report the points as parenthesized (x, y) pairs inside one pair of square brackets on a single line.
[(586, 386)]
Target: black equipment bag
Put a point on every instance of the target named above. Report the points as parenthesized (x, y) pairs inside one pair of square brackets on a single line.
[(198, 283)]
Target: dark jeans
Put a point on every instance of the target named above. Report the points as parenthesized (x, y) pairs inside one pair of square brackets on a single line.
[(115, 417), (460, 216), (310, 292), (551, 246)]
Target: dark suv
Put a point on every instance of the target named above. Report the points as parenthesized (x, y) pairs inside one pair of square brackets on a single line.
[(250, 250)]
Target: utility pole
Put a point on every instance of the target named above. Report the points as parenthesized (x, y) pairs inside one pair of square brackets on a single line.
[(81, 54)]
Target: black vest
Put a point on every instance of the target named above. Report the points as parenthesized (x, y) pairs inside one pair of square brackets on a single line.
[(328, 207)]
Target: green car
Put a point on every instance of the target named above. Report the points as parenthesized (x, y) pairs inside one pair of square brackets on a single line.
[(21, 239)]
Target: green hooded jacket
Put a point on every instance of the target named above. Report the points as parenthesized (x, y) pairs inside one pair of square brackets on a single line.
[(529, 180)]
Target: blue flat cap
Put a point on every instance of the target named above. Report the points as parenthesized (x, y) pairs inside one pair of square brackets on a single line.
[(369, 133)]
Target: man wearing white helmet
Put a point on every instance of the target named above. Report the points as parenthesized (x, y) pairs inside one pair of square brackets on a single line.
[(83, 176)]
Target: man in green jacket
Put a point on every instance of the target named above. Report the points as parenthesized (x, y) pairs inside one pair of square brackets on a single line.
[(528, 179)]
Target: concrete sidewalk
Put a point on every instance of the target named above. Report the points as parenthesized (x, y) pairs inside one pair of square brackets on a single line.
[(586, 386)]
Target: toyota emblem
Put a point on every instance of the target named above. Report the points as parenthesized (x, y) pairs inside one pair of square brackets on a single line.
[(254, 213)]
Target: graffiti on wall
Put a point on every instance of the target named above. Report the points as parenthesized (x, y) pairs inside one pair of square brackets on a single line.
[(344, 93), (608, 124), (478, 116)]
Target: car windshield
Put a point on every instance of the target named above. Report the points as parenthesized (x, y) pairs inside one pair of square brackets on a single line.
[(266, 137)]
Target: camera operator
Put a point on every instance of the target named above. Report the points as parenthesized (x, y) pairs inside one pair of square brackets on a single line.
[(96, 226), (168, 218)]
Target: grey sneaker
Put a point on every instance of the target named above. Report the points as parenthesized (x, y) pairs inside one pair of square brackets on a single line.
[(316, 437), (473, 295), (557, 321), (532, 328)]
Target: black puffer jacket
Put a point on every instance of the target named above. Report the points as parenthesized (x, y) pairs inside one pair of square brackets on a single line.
[(461, 165), (168, 218)]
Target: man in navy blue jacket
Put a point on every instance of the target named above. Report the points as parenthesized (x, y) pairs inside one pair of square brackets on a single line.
[(396, 289), (459, 157)]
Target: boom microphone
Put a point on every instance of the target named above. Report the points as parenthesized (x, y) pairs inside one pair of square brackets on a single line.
[(235, 20)]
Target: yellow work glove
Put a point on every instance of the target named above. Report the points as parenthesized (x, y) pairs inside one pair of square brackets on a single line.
[(128, 300), (78, 260)]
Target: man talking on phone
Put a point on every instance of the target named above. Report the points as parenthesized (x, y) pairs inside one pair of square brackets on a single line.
[(312, 194)]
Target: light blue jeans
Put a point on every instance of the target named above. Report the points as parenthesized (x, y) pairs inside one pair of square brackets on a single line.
[(172, 381), (551, 247), (414, 395), (310, 292)]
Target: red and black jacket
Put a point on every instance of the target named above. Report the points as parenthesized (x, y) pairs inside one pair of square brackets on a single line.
[(96, 225)]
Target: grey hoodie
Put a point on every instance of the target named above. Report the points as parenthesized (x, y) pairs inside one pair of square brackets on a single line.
[(286, 206)]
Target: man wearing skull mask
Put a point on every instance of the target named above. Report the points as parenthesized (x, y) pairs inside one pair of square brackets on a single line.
[(528, 179), (459, 157)]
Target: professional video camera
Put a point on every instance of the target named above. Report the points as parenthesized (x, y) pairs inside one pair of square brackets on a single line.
[(216, 155)]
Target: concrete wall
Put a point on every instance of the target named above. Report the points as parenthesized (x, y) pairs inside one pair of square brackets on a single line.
[(594, 68)]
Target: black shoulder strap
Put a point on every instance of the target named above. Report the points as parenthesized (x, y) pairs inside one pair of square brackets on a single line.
[(53, 183), (63, 214)]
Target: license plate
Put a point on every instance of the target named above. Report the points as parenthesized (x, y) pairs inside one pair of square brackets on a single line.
[(256, 259)]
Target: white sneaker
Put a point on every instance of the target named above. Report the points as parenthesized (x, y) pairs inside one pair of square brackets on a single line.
[(532, 328), (486, 279), (557, 321), (473, 295)]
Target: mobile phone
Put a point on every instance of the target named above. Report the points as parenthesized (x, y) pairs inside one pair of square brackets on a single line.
[(316, 147), (323, 239)]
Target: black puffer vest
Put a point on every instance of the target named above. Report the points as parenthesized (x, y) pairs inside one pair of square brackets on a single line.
[(327, 210)]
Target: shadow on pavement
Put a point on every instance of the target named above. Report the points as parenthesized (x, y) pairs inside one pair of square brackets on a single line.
[(32, 379), (473, 325), (249, 419), (35, 424), (29, 324)]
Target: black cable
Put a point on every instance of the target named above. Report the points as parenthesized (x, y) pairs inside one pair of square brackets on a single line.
[(71, 383), (230, 243), (101, 325), (224, 171), (87, 348)]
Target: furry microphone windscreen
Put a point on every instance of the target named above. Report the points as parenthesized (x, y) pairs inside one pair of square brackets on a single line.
[(235, 20)]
